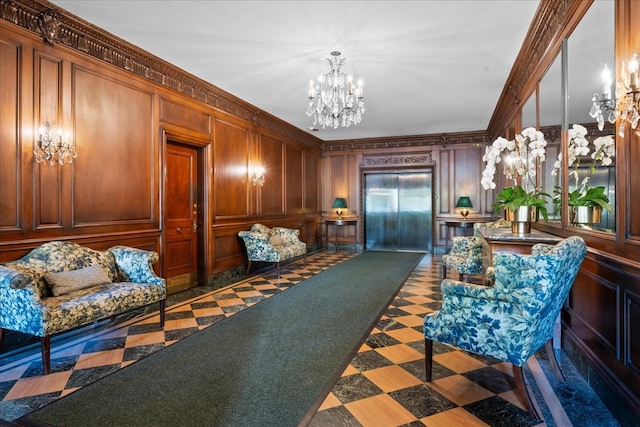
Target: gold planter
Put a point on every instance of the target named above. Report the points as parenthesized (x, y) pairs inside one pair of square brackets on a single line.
[(585, 214), (521, 219)]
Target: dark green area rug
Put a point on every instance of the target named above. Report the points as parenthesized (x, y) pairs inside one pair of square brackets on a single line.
[(268, 365)]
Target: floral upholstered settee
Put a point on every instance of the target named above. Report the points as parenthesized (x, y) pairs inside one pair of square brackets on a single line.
[(59, 286), (275, 244)]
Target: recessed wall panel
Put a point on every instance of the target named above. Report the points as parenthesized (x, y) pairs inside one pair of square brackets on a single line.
[(9, 145), (115, 151)]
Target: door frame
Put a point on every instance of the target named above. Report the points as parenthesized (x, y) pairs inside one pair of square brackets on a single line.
[(203, 149)]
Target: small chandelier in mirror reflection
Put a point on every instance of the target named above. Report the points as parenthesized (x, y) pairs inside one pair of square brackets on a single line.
[(54, 147), (628, 94), (603, 105), (335, 100)]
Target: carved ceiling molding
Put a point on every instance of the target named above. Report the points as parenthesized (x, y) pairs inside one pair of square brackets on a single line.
[(56, 26), (547, 25), (444, 139), (397, 159)]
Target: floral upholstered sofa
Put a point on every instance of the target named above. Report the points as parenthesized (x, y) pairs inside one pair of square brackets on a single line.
[(60, 285), (272, 245)]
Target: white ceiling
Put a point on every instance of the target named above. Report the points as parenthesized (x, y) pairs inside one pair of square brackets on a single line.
[(428, 66)]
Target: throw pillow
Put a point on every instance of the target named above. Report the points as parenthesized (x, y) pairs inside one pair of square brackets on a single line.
[(68, 281), (276, 240)]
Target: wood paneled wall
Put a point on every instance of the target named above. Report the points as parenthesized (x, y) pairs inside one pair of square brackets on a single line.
[(601, 316), (456, 170), (112, 193)]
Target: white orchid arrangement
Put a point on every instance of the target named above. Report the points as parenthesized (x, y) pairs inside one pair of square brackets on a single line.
[(521, 158), (602, 154)]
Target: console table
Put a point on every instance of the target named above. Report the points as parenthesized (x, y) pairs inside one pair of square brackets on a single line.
[(502, 240), (463, 223), (338, 223)]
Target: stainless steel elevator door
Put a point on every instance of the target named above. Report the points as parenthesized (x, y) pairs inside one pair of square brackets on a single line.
[(398, 211)]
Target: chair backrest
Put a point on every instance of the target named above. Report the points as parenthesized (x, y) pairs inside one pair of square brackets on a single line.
[(501, 223), (538, 285)]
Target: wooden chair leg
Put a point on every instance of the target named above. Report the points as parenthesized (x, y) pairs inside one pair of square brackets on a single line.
[(162, 304), (444, 272), (461, 277), (278, 269), (45, 346), (248, 267), (524, 394), (555, 368), (428, 358)]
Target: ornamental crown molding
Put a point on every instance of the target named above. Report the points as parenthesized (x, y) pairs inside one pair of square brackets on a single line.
[(444, 139), (397, 159), (57, 26), (547, 25)]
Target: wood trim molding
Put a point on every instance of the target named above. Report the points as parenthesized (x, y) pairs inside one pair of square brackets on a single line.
[(443, 139), (537, 53), (57, 26)]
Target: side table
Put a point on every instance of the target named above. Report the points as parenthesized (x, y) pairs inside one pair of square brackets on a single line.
[(338, 223)]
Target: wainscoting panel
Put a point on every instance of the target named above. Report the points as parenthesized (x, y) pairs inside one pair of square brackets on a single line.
[(272, 192), (10, 149), (115, 172)]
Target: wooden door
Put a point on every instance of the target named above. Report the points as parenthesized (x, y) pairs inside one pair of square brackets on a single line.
[(181, 217)]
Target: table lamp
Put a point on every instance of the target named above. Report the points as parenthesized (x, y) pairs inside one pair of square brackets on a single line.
[(338, 204), (464, 203)]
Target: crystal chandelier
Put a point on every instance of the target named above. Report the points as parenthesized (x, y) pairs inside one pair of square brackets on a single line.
[(628, 94), (335, 100), (52, 146)]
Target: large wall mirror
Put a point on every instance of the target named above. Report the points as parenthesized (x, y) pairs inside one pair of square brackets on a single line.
[(591, 151), (550, 111)]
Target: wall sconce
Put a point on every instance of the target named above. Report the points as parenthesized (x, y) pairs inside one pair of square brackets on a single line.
[(464, 204), (52, 146), (338, 204), (628, 93), (258, 176)]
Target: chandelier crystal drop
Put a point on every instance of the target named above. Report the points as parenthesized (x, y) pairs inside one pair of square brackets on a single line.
[(54, 147), (334, 100)]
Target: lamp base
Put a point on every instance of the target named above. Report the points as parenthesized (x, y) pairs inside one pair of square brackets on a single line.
[(464, 214), (339, 213)]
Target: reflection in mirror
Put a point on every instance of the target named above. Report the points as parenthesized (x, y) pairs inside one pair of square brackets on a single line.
[(591, 67), (529, 113), (550, 110)]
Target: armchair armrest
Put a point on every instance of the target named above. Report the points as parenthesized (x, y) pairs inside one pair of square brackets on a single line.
[(134, 265), (469, 290), (259, 247), (16, 279)]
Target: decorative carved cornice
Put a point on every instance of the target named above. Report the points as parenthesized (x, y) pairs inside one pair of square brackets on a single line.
[(56, 25), (397, 159), (444, 139), (547, 26)]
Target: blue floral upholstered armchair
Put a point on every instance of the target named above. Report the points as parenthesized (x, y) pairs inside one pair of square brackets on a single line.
[(465, 256), (275, 244), (515, 317)]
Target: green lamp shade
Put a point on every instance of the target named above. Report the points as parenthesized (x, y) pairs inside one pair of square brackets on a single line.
[(339, 203), (463, 202)]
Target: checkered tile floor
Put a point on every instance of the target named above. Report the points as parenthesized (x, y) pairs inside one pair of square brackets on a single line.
[(382, 386)]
